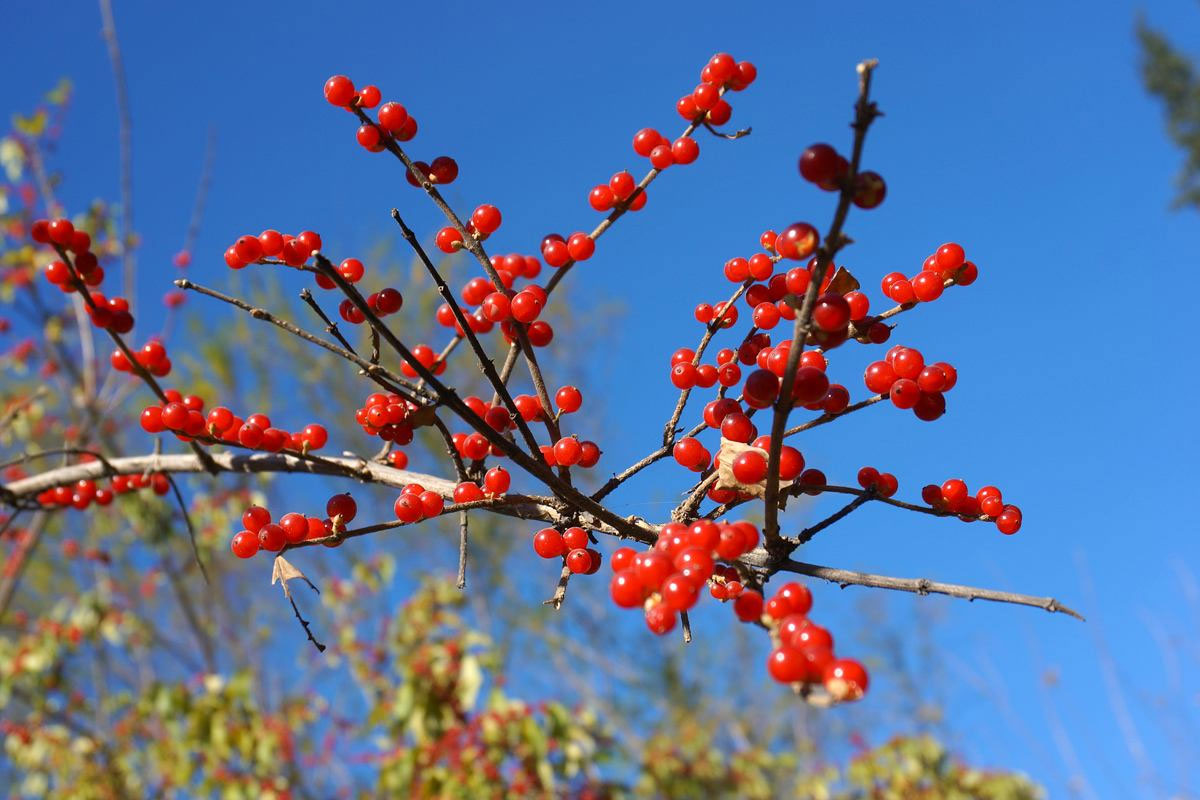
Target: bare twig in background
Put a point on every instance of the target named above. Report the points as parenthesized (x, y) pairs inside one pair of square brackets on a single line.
[(125, 132)]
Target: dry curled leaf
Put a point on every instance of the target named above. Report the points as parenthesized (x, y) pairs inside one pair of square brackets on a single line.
[(843, 282), (284, 571)]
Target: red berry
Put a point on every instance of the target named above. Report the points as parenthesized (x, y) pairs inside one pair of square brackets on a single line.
[(580, 246), (486, 219), (579, 560), (271, 538), (845, 679), (832, 312), (548, 543), (244, 544), (393, 116), (601, 198), (568, 399), (339, 90), (660, 619), (342, 505), (869, 190), (295, 527), (819, 164), (750, 467), (797, 241), (645, 141), (685, 150), (879, 376), (661, 157), (927, 286), (748, 606)]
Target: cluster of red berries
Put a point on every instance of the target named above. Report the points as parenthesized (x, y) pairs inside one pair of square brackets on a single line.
[(416, 503), (955, 497), (572, 546), (823, 165), (885, 484), (483, 222), (803, 652), (947, 266), (441, 170), (382, 303), (620, 188), (111, 313), (426, 357), (260, 533), (496, 482), (184, 416), (662, 153), (84, 493), (394, 119), (496, 304), (910, 383), (394, 122), (291, 250), (152, 358), (721, 73), (386, 416), (667, 578), (570, 451), (579, 246)]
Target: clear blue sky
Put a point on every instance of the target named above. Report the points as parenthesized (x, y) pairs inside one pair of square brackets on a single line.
[(1020, 130)]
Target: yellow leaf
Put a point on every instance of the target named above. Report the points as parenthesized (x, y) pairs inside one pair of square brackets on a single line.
[(31, 126)]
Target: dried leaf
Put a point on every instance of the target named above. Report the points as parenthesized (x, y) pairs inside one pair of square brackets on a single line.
[(726, 455), (284, 571), (843, 281)]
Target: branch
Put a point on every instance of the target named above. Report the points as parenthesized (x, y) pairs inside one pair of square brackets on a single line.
[(921, 586), (808, 533), (865, 113), (462, 549), (374, 371), (520, 506)]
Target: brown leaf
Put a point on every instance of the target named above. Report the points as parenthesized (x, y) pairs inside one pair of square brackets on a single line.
[(284, 571), (843, 281)]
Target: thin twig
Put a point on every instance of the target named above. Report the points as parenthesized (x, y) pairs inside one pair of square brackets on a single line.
[(19, 559), (808, 533), (191, 529), (331, 327), (125, 132), (304, 623)]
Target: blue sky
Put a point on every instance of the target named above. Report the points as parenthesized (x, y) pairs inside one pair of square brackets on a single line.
[(1020, 130)]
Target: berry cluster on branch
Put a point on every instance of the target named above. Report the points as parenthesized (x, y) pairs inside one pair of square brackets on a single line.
[(519, 439)]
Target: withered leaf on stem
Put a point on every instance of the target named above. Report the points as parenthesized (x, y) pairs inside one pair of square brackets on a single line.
[(284, 571)]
